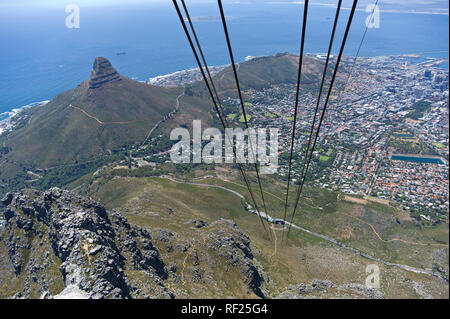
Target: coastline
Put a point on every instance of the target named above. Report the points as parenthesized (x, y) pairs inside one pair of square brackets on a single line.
[(9, 114), (183, 77), (7, 118), (436, 11)]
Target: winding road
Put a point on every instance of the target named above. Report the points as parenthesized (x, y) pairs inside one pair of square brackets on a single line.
[(329, 239), (161, 120)]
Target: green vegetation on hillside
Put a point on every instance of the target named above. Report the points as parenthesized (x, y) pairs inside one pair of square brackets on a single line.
[(407, 145), (418, 109), (242, 120), (304, 256)]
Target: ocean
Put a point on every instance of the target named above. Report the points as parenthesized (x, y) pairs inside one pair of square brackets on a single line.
[(40, 57)]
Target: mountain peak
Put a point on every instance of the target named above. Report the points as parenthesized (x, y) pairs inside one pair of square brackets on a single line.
[(102, 73)]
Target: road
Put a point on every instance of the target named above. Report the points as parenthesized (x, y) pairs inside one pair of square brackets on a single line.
[(329, 239), (204, 185), (161, 120), (362, 254)]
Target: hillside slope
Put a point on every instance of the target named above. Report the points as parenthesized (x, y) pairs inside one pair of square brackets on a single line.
[(57, 244), (262, 72), (175, 203), (100, 116), (110, 113)]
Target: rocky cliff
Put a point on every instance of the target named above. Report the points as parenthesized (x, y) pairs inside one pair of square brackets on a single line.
[(233, 245), (102, 73), (55, 243)]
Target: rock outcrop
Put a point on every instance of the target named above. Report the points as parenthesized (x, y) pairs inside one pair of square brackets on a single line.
[(319, 289), (56, 244), (232, 244), (96, 252), (102, 73)]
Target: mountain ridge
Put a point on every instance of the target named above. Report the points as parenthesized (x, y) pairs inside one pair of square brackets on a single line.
[(56, 244), (109, 113)]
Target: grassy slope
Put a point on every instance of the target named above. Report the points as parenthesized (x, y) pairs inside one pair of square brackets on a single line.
[(304, 257), (262, 72), (10, 283), (57, 134)]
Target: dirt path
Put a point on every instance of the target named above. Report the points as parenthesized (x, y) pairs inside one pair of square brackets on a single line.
[(177, 105), (204, 185), (96, 119), (237, 184), (367, 256), (273, 228), (393, 239), (224, 73), (194, 247), (330, 239)]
